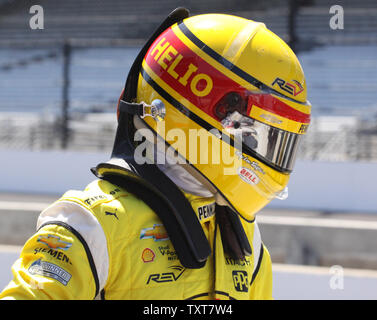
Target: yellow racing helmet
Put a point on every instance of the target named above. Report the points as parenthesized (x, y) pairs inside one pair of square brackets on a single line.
[(228, 99)]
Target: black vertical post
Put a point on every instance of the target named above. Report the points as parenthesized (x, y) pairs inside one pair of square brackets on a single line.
[(65, 94), (292, 16)]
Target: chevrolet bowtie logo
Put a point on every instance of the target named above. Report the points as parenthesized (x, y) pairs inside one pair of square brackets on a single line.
[(54, 242), (157, 233)]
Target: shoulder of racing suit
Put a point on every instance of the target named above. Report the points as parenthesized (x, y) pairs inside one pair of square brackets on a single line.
[(103, 216)]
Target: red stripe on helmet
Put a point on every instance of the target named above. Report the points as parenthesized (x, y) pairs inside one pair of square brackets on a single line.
[(202, 84), (274, 105)]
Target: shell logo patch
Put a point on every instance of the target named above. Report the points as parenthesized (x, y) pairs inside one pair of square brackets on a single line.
[(148, 255)]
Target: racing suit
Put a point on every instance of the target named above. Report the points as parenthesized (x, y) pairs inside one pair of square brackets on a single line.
[(105, 243)]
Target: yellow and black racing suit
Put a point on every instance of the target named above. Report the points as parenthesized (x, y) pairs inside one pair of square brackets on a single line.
[(104, 242)]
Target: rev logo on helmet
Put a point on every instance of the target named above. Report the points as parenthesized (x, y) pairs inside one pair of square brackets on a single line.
[(240, 281), (293, 89)]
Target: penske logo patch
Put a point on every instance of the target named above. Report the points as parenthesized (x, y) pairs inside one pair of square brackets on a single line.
[(206, 211)]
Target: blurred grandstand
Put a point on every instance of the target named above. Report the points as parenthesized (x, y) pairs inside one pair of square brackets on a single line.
[(59, 85)]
